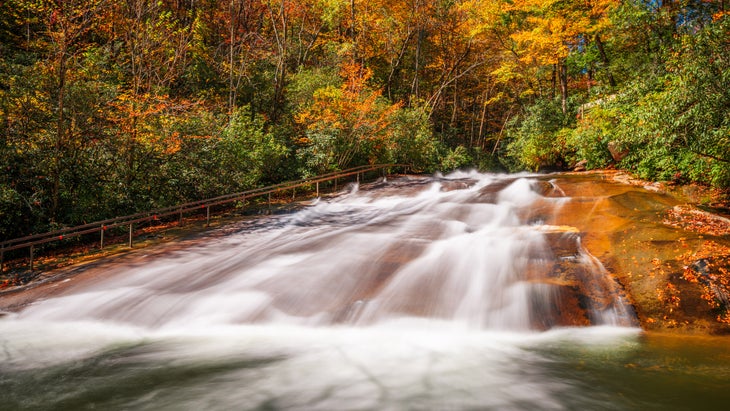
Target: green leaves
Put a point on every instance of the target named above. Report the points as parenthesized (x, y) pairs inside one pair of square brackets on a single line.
[(537, 137), (247, 152)]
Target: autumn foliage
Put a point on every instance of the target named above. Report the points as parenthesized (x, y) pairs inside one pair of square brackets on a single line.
[(110, 107), (350, 120)]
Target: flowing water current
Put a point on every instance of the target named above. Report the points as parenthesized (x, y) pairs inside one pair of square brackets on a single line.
[(445, 293)]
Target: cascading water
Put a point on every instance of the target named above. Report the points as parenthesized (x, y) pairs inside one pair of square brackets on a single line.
[(465, 249), (417, 293)]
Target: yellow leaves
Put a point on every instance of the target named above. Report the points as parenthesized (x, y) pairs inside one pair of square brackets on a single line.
[(541, 46), (483, 13), (496, 98), (327, 93), (326, 105), (507, 71), (549, 28)]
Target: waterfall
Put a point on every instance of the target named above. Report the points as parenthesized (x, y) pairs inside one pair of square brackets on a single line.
[(464, 291), (476, 250)]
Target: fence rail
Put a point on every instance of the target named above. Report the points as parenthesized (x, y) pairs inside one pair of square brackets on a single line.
[(130, 220)]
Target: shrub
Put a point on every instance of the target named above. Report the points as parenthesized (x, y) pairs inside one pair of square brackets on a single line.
[(414, 142), (537, 138)]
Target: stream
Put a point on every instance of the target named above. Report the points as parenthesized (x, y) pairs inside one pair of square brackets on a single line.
[(461, 292)]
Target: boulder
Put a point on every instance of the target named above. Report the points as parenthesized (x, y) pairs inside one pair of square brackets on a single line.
[(617, 153)]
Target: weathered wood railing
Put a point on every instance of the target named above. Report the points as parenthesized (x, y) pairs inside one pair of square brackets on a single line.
[(130, 220)]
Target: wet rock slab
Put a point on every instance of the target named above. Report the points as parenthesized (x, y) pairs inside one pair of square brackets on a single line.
[(674, 277), (628, 227)]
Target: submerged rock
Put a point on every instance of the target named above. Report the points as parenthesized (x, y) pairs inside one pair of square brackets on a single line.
[(578, 249)]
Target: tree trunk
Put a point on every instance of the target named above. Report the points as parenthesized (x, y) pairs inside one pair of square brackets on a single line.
[(352, 17), (604, 60), (563, 86), (280, 35), (395, 66), (60, 132), (231, 50), (455, 105), (482, 119), (554, 81), (414, 83)]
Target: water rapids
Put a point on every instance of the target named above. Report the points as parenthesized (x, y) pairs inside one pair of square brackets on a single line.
[(455, 292)]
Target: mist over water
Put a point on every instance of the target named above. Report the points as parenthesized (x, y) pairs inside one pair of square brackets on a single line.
[(417, 293)]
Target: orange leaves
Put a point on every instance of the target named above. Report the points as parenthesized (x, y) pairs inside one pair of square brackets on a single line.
[(344, 119), (145, 119), (692, 219), (353, 108), (720, 15), (669, 295), (355, 76), (709, 268)]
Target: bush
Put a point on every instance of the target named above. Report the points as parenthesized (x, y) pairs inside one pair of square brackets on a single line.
[(246, 152), (456, 158), (537, 139), (589, 140), (414, 142), (676, 126)]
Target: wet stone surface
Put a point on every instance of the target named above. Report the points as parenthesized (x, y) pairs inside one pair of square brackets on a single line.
[(625, 226), (583, 247)]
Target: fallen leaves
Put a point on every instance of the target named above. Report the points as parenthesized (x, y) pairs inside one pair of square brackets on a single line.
[(692, 219)]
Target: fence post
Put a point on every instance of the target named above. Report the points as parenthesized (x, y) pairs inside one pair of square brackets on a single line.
[(269, 203), (101, 235), (2, 259), (130, 234), (317, 188), (31, 257), (207, 216), (181, 217)]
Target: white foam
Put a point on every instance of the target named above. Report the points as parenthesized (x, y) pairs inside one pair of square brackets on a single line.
[(470, 264)]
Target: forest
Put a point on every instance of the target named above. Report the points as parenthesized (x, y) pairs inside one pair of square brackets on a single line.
[(109, 107)]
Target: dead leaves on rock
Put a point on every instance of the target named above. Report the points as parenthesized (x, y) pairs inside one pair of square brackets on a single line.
[(707, 266), (692, 219)]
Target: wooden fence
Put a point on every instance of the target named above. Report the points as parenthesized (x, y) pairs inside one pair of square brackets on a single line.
[(101, 227)]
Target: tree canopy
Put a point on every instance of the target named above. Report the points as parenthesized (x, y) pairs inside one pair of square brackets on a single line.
[(115, 106)]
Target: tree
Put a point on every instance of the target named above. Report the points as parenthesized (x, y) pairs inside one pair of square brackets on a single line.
[(552, 29), (68, 22), (347, 122), (154, 54)]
